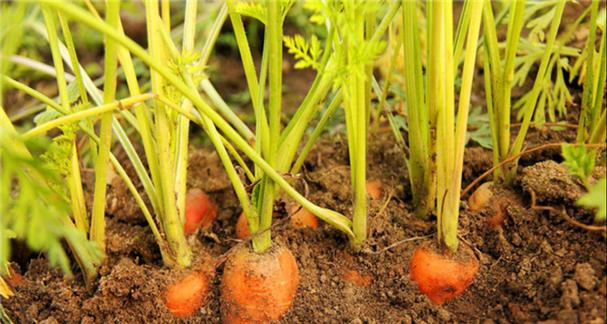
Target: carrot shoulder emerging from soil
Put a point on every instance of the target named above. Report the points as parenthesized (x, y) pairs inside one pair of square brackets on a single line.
[(258, 288), (200, 211), (374, 188), (442, 277), (302, 218), (242, 227), (481, 196), (184, 297)]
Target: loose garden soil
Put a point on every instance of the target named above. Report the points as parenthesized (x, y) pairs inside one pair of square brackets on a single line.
[(537, 267)]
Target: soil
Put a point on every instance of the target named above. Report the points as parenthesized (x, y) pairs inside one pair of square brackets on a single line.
[(536, 267)]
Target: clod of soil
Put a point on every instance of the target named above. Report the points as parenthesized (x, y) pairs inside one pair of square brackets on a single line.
[(551, 183)]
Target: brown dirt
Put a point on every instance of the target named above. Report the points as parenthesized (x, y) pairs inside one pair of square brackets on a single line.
[(536, 267)]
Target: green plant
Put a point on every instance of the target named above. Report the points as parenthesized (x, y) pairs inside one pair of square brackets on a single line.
[(580, 162), (437, 137), (592, 121), (595, 198), (554, 94), (499, 75), (203, 111), (432, 126), (34, 207), (34, 200)]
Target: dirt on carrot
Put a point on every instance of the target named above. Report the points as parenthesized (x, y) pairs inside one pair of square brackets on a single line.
[(258, 288)]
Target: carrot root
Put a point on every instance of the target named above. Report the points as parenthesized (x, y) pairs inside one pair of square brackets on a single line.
[(481, 196), (374, 189), (200, 211), (258, 288), (302, 218), (242, 227), (187, 295), (442, 277)]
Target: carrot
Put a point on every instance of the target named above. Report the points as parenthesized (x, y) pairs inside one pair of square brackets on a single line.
[(258, 288), (481, 196), (200, 211), (374, 188), (302, 218), (498, 217), (242, 227), (442, 277), (184, 297), (14, 278), (357, 278), (497, 209)]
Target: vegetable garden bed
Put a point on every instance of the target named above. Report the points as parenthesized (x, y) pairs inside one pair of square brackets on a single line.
[(303, 162)]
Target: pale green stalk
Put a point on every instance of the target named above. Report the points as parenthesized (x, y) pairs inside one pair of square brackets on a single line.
[(337, 100), (537, 85), (441, 32), (355, 107), (67, 36), (74, 117), (515, 25), (173, 227), (419, 162), (587, 96), (450, 209), (183, 124), (487, 74), (263, 240), (262, 136), (597, 126), (77, 202), (97, 232)]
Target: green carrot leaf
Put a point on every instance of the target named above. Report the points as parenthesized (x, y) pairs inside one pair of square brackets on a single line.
[(595, 198), (579, 160)]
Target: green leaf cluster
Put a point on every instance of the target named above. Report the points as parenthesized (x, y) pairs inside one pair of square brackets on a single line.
[(307, 53), (579, 160), (478, 128), (30, 207), (595, 198)]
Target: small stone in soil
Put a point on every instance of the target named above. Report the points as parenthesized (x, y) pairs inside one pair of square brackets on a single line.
[(584, 276), (603, 286), (570, 297)]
